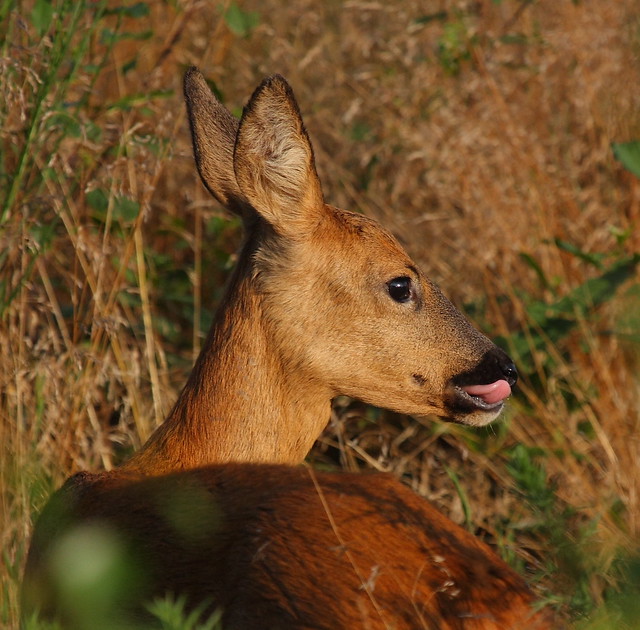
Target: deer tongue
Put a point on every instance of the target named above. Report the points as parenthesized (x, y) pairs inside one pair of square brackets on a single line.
[(491, 393)]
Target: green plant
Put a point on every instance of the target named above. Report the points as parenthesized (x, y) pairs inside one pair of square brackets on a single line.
[(454, 45), (539, 347), (239, 21), (570, 554), (628, 154), (173, 616)]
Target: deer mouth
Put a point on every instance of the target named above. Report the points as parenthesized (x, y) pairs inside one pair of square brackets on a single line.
[(489, 397)]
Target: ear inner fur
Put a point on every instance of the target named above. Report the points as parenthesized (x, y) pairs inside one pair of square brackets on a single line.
[(273, 160)]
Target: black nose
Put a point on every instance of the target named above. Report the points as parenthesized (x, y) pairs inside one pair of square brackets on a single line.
[(495, 365), (510, 373)]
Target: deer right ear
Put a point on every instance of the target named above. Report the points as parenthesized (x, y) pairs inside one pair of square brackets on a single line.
[(273, 160), (213, 131)]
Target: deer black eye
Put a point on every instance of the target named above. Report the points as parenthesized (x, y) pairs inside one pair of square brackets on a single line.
[(400, 289)]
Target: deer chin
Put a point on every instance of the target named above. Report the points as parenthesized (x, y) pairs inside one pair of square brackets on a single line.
[(477, 405)]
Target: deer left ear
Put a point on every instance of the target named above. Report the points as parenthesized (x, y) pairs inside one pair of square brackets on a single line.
[(213, 131), (273, 160)]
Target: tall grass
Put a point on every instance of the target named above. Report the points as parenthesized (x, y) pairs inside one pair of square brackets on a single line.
[(480, 133)]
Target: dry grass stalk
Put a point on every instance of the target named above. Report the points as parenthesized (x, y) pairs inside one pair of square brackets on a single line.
[(477, 136)]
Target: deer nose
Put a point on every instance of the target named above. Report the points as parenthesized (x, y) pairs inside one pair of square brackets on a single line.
[(510, 373)]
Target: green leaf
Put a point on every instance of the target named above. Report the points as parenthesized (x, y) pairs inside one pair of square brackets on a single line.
[(514, 38), (137, 10), (43, 234), (593, 259), (596, 291), (42, 15), (130, 65), (628, 154), (98, 200), (132, 100), (174, 615), (69, 125), (529, 473), (553, 322), (110, 37), (360, 131), (438, 16), (241, 22), (454, 46), (126, 209), (94, 133), (533, 263)]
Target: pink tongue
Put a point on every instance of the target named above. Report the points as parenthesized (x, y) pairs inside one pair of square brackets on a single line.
[(492, 393)]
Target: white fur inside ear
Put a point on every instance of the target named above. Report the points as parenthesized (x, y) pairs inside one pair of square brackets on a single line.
[(283, 159), (273, 158)]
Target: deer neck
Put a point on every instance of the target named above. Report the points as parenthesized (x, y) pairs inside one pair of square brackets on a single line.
[(241, 402)]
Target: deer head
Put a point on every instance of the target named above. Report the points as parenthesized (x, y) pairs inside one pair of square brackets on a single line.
[(323, 302)]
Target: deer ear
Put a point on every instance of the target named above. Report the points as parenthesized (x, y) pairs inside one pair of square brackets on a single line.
[(273, 160), (213, 132)]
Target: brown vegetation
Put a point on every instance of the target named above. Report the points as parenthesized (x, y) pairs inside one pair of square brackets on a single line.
[(478, 132)]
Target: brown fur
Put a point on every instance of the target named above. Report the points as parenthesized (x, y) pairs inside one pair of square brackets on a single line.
[(307, 316), (285, 547), (309, 272)]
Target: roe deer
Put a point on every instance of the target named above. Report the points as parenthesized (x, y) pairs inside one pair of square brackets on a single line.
[(322, 302)]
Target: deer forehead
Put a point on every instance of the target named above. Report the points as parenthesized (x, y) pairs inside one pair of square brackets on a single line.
[(359, 241), (343, 257)]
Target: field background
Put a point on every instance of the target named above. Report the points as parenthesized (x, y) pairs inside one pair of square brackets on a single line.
[(479, 132)]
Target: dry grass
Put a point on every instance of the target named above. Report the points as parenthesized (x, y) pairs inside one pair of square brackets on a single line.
[(478, 132)]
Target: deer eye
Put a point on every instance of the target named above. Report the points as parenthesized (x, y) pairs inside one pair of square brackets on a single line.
[(400, 289)]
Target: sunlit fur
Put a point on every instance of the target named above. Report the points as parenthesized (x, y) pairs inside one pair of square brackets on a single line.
[(306, 316)]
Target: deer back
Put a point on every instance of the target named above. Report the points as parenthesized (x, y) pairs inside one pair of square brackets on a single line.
[(273, 546)]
